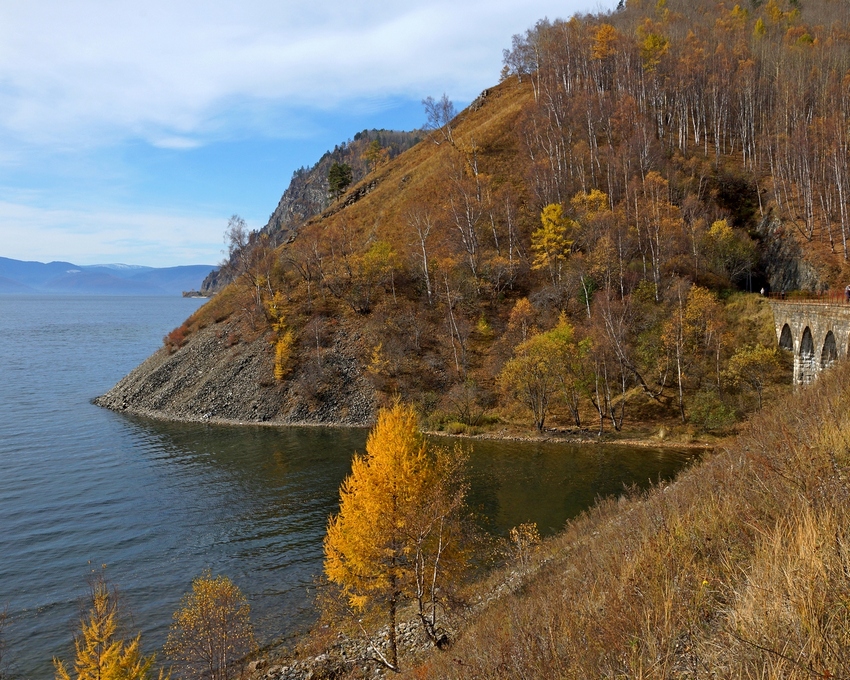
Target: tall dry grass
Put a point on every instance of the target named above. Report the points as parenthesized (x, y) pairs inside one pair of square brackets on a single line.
[(740, 569)]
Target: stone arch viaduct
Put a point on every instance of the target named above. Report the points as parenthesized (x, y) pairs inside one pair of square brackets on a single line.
[(818, 333)]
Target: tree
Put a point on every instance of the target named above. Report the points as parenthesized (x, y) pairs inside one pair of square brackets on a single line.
[(550, 243), (248, 256), (439, 115), (693, 332), (568, 354), (530, 376), (754, 366), (521, 320), (339, 178), (731, 252), (396, 535), (211, 632), (100, 655), (285, 337), (375, 155)]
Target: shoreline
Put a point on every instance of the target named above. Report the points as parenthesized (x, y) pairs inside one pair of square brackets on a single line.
[(555, 437)]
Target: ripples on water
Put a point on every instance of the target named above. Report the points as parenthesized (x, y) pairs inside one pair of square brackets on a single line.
[(159, 502)]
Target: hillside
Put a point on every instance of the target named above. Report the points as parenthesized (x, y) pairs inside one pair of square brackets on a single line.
[(308, 192), (739, 569), (572, 250)]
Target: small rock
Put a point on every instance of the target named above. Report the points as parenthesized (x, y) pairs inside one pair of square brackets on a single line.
[(256, 665)]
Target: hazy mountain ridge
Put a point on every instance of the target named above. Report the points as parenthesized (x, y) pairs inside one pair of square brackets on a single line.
[(18, 276)]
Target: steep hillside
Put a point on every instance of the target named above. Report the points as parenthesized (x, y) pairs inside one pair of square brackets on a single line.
[(567, 251), (308, 191), (739, 569)]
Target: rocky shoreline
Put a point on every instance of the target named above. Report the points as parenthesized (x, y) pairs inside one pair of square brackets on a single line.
[(217, 378), (353, 656)]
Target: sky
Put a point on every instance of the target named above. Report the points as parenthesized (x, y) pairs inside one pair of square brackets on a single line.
[(131, 131)]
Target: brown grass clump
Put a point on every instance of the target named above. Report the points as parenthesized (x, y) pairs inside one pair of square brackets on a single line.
[(739, 569)]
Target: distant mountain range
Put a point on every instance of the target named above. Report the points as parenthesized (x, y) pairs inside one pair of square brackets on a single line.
[(17, 276)]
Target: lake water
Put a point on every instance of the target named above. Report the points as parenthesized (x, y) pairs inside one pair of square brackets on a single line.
[(157, 502)]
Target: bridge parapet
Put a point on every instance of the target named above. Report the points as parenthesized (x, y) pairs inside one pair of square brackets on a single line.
[(816, 331)]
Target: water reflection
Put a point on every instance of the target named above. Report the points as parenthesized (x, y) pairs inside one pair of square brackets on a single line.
[(549, 483), (253, 503)]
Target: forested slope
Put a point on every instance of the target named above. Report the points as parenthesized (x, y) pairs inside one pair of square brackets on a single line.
[(568, 249)]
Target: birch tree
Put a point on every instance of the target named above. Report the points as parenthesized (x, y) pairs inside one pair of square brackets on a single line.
[(211, 633)]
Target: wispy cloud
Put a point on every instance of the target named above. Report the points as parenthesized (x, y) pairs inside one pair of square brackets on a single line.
[(96, 69), (91, 237)]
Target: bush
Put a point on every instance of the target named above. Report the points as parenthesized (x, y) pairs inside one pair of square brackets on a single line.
[(710, 412), (176, 338)]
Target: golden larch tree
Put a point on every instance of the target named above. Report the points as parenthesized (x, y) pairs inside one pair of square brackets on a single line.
[(395, 535), (550, 243), (100, 654)]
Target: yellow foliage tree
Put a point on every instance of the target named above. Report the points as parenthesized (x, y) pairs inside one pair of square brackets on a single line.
[(693, 332), (550, 243), (530, 376), (283, 353), (211, 632), (591, 203), (521, 320), (396, 535), (276, 312), (754, 366), (604, 42), (543, 364), (100, 655)]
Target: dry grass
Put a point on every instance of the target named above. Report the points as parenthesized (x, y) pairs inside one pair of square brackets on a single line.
[(739, 569)]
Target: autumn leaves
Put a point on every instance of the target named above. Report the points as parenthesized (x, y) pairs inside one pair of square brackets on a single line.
[(398, 536), (211, 636)]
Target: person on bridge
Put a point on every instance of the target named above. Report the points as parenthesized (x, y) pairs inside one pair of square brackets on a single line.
[(847, 293)]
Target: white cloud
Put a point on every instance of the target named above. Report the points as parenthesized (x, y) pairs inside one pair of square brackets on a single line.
[(94, 71), (175, 142), (91, 237)]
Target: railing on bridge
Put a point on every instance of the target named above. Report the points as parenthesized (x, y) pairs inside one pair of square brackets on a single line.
[(827, 297)]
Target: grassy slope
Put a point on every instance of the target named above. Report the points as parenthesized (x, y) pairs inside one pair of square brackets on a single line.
[(741, 568)]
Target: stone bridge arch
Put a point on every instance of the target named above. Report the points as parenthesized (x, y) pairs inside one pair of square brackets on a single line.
[(818, 334), (808, 369), (829, 353)]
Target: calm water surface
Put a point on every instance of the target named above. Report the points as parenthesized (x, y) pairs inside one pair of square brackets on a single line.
[(159, 502)]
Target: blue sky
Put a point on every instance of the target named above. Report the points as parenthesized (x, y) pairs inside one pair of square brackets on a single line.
[(130, 132)]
